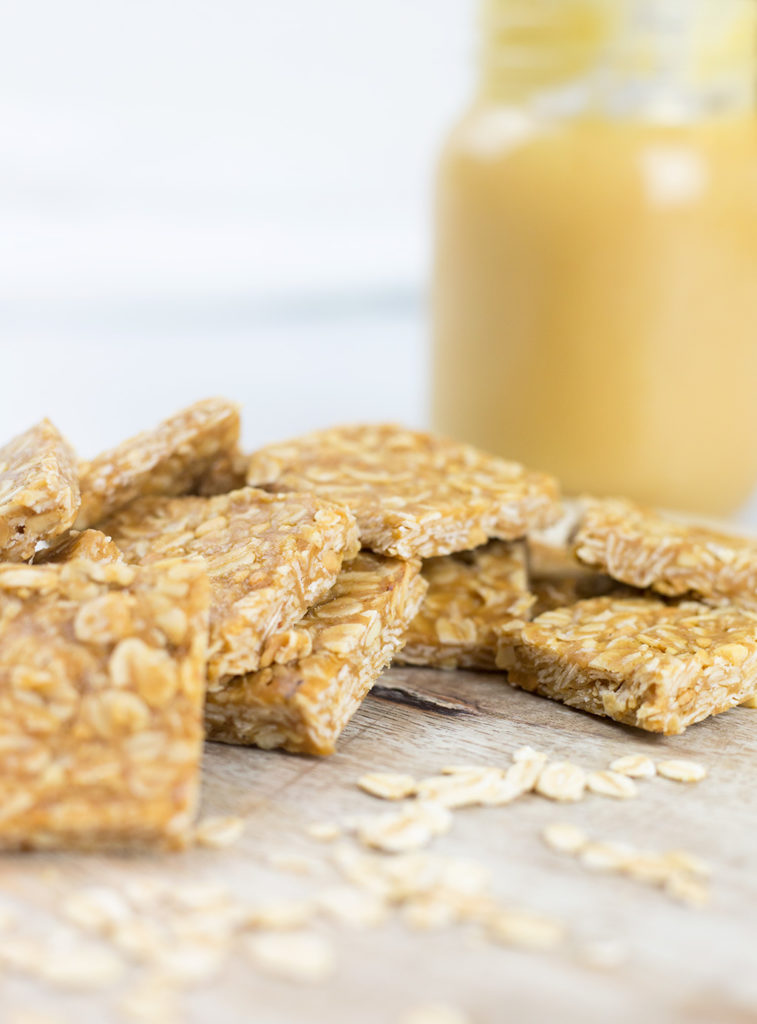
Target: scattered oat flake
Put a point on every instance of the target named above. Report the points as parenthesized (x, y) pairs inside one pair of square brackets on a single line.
[(199, 895), (435, 1013), (688, 863), (302, 957), (187, 965), (219, 832), (387, 785), (353, 907), (606, 856), (297, 863), (529, 754), (285, 915), (525, 929), (649, 868), (462, 789), (635, 766), (96, 909), (412, 828), (562, 781), (150, 1003), (427, 914), (565, 837), (686, 889), (323, 831), (682, 771), (80, 969), (610, 783)]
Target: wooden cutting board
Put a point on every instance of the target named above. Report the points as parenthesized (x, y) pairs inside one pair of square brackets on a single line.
[(672, 962)]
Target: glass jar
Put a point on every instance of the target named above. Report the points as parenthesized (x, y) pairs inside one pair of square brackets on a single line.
[(595, 292)]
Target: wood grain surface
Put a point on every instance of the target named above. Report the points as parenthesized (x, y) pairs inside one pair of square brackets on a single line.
[(697, 966)]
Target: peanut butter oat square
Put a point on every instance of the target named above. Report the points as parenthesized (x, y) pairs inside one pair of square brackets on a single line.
[(657, 666), (269, 558), (413, 494), (473, 599), (39, 491), (101, 692), (344, 644), (173, 458), (644, 549)]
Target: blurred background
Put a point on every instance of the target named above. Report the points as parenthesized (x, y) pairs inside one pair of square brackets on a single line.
[(236, 198), (224, 197)]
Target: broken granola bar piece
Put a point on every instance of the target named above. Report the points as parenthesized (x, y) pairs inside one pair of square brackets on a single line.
[(92, 545), (171, 459), (473, 599), (645, 549), (643, 662), (348, 639), (413, 494), (39, 491), (102, 671), (269, 558)]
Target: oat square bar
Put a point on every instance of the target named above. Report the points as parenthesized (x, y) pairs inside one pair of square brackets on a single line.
[(346, 642), (269, 557), (645, 549), (92, 545), (643, 662), (473, 598), (39, 491), (413, 494), (173, 458), (102, 672)]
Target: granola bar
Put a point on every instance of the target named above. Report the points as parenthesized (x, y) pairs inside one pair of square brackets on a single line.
[(39, 491), (348, 639), (472, 599), (88, 544), (644, 549), (101, 691), (171, 459), (413, 494), (641, 661), (269, 558)]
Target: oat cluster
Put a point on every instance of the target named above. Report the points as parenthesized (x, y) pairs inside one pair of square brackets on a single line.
[(326, 663), (474, 600), (641, 661), (412, 493)]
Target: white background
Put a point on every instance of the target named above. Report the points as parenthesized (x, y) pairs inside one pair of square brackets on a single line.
[(229, 197)]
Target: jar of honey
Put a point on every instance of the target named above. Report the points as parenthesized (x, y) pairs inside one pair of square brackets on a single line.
[(595, 288)]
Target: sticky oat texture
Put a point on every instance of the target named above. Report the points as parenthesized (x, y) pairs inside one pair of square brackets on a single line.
[(173, 458), (346, 642), (473, 599), (412, 493), (643, 662), (269, 557), (88, 544), (101, 690), (645, 549), (39, 491)]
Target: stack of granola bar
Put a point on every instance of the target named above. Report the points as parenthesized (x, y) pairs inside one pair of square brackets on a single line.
[(173, 588)]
